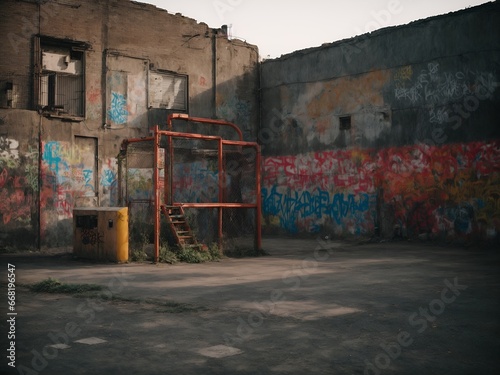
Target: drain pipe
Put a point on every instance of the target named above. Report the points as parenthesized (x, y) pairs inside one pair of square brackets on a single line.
[(40, 143), (214, 73)]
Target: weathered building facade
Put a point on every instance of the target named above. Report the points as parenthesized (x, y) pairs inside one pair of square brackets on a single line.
[(392, 133), (78, 77)]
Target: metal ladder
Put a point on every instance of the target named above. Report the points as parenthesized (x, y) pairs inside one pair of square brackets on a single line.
[(180, 228)]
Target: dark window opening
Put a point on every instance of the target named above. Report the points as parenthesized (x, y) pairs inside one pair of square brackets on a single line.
[(60, 78), (345, 122)]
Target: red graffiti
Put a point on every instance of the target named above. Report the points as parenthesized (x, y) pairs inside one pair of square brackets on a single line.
[(425, 189), (4, 176), (15, 205), (94, 95)]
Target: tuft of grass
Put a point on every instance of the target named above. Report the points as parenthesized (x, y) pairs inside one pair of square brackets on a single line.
[(51, 285), (55, 286), (175, 307), (138, 256), (167, 256), (215, 251), (189, 255)]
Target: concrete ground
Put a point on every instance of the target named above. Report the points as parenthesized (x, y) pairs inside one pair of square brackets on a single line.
[(310, 307)]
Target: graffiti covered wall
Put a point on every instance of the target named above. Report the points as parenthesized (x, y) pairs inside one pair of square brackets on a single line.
[(54, 158), (18, 187), (68, 181), (447, 191), (358, 141), (320, 191)]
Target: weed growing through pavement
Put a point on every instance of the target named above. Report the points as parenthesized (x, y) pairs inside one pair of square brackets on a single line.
[(95, 298), (51, 285)]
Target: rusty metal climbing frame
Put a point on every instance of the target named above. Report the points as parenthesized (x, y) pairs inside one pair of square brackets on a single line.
[(233, 188)]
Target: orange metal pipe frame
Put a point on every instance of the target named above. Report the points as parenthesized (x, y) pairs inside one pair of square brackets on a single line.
[(221, 192), (180, 116), (156, 178), (168, 193)]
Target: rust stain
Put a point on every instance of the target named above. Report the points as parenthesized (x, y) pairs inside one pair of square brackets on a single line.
[(323, 125), (349, 94), (219, 100)]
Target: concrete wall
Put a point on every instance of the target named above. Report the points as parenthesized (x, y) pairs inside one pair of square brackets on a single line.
[(421, 156), (50, 165)]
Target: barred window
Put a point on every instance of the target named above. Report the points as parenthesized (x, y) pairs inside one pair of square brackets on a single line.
[(60, 78)]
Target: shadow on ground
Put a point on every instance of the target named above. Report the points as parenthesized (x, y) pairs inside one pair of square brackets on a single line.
[(316, 307)]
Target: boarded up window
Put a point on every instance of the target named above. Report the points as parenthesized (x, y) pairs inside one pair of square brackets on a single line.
[(126, 91), (168, 91)]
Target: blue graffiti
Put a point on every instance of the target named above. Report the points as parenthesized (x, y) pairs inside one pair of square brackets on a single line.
[(52, 157), (291, 207), (108, 178), (118, 110), (87, 176)]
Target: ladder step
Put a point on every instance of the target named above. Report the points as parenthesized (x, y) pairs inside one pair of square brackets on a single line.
[(180, 227)]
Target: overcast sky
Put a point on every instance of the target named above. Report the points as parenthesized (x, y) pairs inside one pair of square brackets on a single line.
[(282, 26)]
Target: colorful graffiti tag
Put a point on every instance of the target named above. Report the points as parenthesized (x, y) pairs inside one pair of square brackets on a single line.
[(449, 190), (64, 177), (118, 112), (307, 209), (109, 182), (17, 190)]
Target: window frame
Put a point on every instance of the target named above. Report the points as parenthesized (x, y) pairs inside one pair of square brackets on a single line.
[(174, 75), (44, 43), (345, 122)]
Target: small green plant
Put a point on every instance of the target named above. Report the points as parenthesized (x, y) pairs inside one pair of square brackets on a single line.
[(190, 255), (215, 251), (138, 255), (55, 286), (167, 256)]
